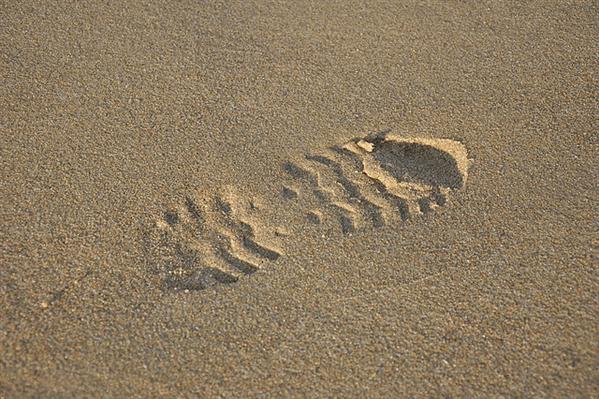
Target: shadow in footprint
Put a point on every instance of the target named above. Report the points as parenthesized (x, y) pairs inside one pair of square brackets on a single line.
[(419, 163)]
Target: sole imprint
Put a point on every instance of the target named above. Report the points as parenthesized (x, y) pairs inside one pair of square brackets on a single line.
[(368, 182)]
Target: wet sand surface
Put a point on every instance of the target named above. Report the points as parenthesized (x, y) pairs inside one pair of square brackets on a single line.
[(113, 114)]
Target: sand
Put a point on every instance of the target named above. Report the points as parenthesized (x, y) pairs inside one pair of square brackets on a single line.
[(115, 116)]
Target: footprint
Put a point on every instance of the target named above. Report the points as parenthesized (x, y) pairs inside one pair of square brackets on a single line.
[(368, 182)]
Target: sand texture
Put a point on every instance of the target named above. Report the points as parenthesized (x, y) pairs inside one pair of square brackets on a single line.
[(299, 199)]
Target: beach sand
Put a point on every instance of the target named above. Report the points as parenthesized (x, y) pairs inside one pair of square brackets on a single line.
[(174, 223)]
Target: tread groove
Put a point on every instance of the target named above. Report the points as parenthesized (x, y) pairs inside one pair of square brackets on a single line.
[(300, 173), (194, 211), (262, 251), (243, 266)]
